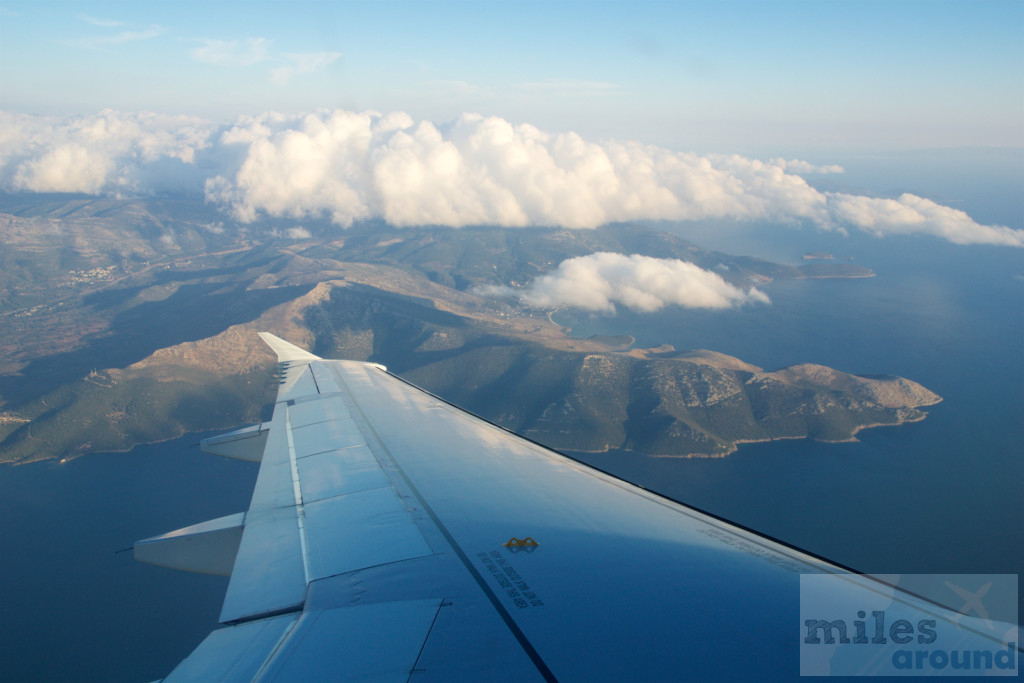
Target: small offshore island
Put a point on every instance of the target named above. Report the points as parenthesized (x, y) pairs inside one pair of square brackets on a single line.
[(165, 342)]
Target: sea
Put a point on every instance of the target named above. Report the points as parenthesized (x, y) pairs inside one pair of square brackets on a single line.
[(74, 604), (944, 495)]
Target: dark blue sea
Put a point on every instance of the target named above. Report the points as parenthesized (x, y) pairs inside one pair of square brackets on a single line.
[(73, 608), (942, 495)]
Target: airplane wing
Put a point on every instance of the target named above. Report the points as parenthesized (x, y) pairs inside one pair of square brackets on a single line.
[(393, 536)]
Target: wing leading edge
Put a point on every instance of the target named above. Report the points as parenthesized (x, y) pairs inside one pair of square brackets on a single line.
[(392, 536)]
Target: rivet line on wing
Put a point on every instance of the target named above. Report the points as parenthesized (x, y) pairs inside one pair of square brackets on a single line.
[(300, 512)]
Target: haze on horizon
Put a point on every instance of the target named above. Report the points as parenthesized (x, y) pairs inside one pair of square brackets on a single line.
[(515, 114)]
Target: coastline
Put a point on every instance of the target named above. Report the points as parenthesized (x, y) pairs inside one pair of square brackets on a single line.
[(734, 445)]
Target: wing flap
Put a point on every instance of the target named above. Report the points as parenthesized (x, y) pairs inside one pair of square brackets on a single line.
[(269, 575), (379, 642), (246, 443), (236, 653), (206, 548), (360, 530)]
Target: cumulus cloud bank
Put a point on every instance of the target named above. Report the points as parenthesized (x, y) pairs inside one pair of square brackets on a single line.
[(598, 282), (105, 153), (475, 170)]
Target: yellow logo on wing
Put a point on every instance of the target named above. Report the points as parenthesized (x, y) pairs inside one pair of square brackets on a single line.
[(527, 542)]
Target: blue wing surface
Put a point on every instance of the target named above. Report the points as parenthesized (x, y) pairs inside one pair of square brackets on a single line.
[(393, 536)]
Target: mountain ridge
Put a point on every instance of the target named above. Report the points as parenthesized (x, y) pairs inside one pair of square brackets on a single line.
[(147, 349)]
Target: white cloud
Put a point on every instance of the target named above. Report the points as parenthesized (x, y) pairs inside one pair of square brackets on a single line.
[(69, 167), (294, 233), (120, 38), (232, 52), (598, 282), (803, 167), (473, 171), (107, 23), (301, 63), (109, 152), (911, 214), (480, 170), (302, 166)]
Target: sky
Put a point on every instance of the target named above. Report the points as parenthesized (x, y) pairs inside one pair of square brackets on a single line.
[(695, 76), (573, 114)]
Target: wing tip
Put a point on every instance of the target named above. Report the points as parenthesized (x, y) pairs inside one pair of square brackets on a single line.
[(286, 351)]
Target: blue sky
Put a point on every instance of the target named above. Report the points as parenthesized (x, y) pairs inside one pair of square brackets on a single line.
[(723, 76)]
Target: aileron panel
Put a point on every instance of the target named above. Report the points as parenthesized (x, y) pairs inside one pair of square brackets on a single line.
[(360, 530)]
